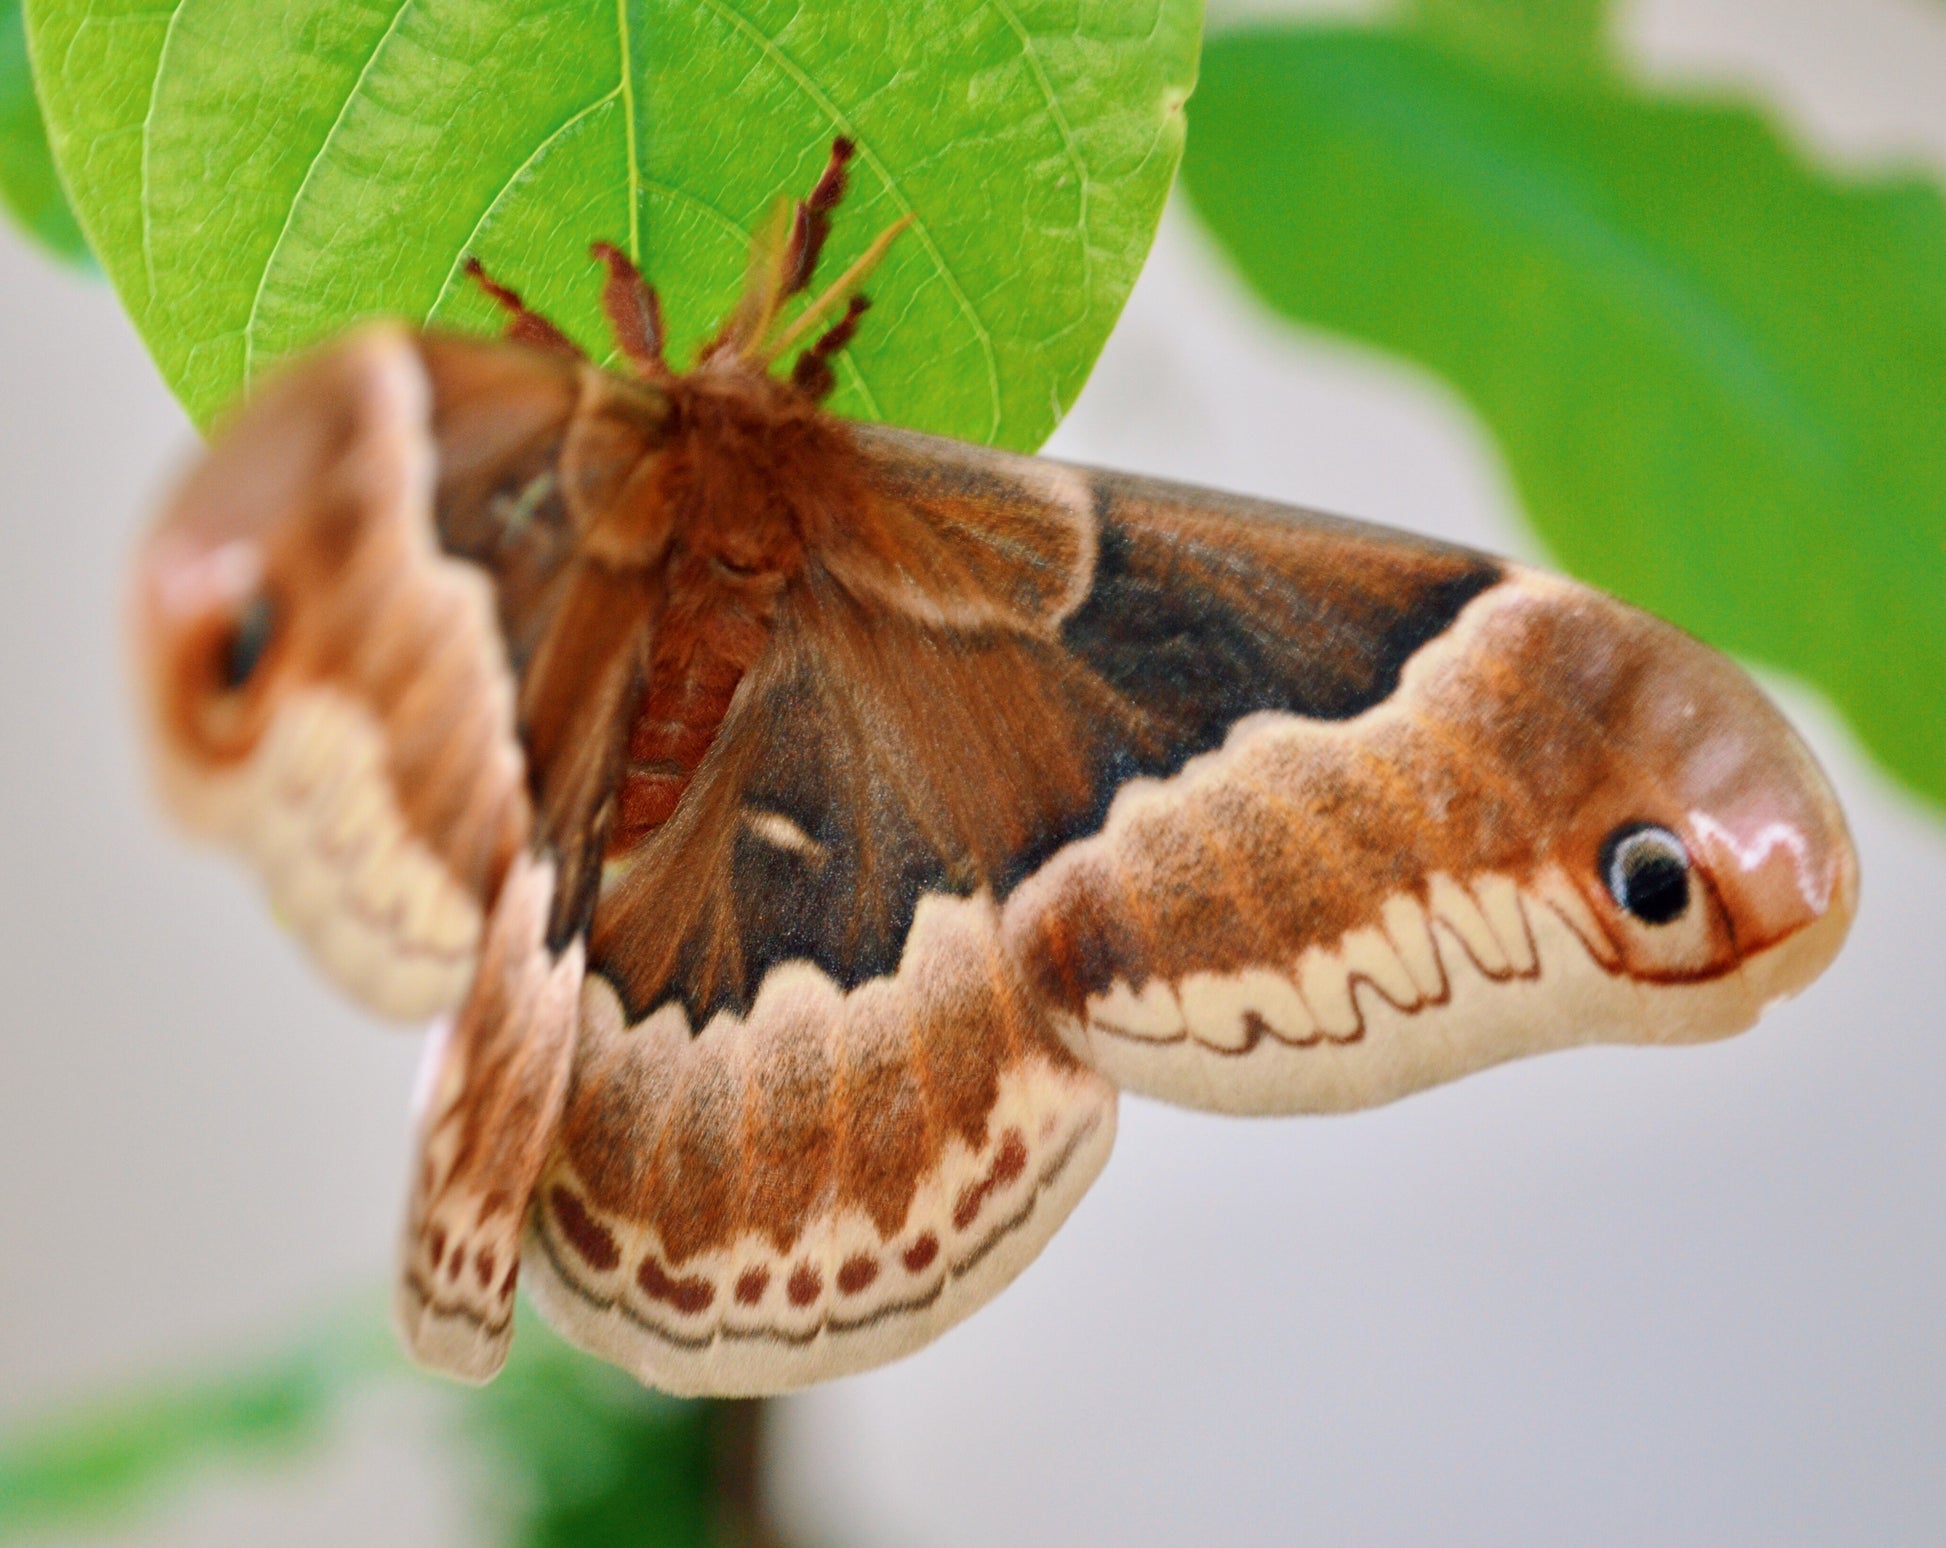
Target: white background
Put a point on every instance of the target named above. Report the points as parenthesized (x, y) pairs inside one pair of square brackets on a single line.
[(1614, 1296)]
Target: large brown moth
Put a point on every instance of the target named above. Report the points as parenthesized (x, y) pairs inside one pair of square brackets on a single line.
[(811, 827)]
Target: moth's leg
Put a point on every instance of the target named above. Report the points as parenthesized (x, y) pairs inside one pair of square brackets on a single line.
[(782, 258), (491, 1095), (526, 325), (634, 311), (811, 223), (812, 375)]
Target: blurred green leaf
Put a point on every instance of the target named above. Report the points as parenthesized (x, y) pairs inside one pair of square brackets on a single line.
[(113, 1457), (1718, 375), (580, 1456), (257, 176), (28, 187), (562, 1451), (1541, 37)]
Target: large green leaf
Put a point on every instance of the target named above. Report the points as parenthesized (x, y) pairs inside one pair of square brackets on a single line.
[(28, 187), (1544, 38), (1717, 374), (254, 176)]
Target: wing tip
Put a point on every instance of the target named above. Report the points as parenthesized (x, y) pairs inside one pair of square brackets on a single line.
[(450, 1341)]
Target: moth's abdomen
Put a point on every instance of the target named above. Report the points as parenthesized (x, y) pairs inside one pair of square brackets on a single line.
[(676, 727), (716, 624)]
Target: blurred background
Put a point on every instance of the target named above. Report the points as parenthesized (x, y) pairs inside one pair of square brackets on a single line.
[(1612, 1296)]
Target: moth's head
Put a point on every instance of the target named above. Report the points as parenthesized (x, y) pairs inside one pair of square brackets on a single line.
[(246, 587)]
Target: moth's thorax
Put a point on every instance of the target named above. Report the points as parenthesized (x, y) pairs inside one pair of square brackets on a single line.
[(736, 469), (641, 535)]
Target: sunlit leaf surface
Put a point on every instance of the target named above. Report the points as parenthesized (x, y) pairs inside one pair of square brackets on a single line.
[(29, 189), (255, 174)]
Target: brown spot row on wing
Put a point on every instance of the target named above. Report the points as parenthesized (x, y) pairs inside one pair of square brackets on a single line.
[(759, 1317), (687, 1294), (586, 1235), (821, 1102)]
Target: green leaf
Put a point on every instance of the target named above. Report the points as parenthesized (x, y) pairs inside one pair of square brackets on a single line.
[(122, 1453), (567, 1452), (255, 177), (1538, 37), (578, 1455), (1717, 374), (28, 187)]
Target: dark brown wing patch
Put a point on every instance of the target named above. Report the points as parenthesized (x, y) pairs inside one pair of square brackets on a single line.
[(900, 739), (1208, 608)]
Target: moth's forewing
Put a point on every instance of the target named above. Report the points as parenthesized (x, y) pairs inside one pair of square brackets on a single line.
[(330, 691), (362, 752)]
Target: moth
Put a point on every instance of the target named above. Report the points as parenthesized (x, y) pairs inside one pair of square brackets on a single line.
[(806, 829)]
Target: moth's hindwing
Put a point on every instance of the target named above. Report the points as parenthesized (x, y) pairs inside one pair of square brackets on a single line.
[(490, 1099), (821, 1184)]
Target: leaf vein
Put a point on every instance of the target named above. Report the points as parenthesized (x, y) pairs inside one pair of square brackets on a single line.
[(626, 86), (513, 179), (1066, 130), (144, 203), (796, 73), (304, 183)]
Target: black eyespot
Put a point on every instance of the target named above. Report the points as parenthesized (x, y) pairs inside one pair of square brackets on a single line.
[(243, 651), (1646, 869)]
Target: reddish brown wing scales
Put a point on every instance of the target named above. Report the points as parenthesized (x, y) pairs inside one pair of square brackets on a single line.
[(817, 1111), (899, 739)]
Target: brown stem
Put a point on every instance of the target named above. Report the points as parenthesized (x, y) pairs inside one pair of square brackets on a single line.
[(743, 1515)]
